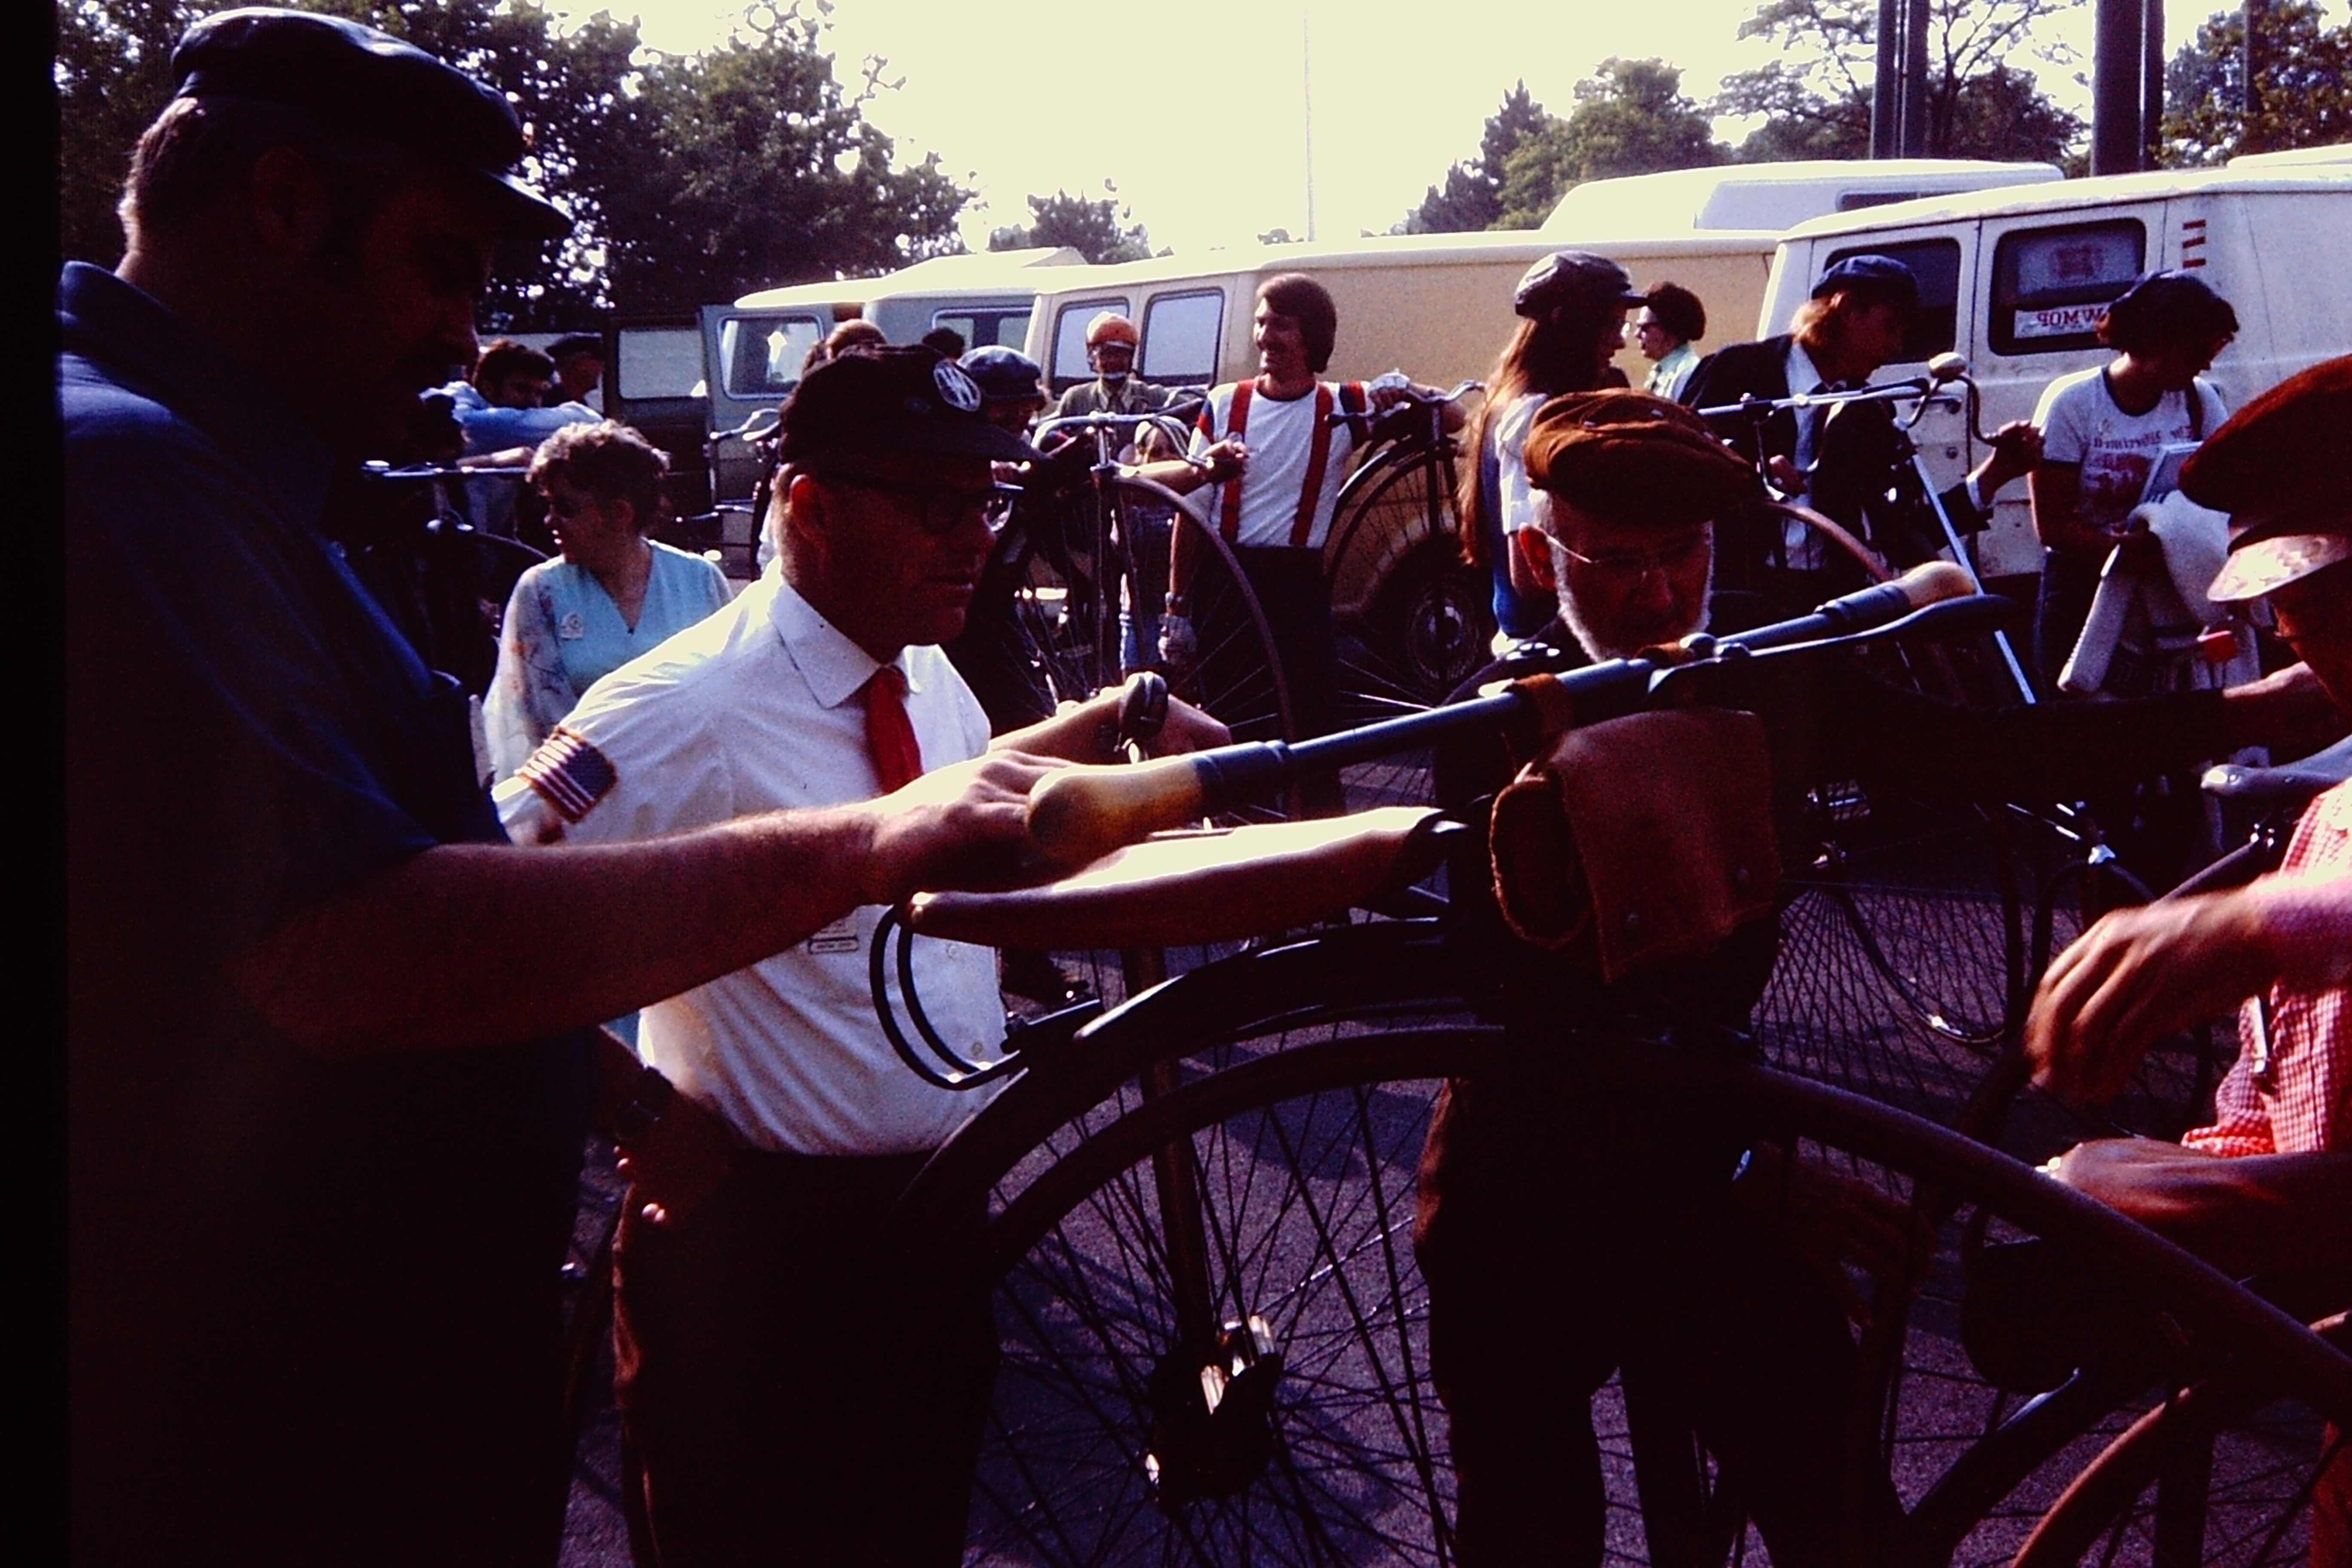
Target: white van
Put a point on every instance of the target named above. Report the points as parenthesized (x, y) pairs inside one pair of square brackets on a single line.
[(2015, 281), (1437, 307), (1769, 195), (754, 347)]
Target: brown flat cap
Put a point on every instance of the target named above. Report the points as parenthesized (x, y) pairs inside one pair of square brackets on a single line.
[(2281, 468), (1634, 460)]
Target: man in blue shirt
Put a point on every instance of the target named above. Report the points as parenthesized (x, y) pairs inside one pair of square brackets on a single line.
[(327, 1083)]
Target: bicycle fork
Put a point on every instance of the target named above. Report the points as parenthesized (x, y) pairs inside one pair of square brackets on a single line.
[(1212, 1393)]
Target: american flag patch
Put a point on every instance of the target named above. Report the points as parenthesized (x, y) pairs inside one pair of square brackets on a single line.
[(570, 775)]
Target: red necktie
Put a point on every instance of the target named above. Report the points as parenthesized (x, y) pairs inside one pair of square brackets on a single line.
[(897, 758)]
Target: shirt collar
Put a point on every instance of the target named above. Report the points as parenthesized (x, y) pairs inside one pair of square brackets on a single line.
[(1803, 374), (835, 667), (143, 346)]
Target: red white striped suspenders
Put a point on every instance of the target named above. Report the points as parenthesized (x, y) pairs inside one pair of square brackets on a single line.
[(1318, 459)]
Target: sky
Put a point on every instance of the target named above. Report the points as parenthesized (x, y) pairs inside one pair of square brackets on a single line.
[(1197, 115)]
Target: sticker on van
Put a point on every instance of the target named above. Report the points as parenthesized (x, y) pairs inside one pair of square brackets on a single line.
[(2056, 321)]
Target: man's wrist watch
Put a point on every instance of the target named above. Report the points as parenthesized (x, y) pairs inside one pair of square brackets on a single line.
[(649, 1097), (1177, 603)]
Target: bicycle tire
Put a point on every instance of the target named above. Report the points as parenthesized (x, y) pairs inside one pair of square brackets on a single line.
[(1067, 610), (2141, 1497), (1073, 1229), (1415, 620)]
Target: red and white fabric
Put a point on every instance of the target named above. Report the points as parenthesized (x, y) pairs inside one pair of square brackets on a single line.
[(2290, 1091), (1297, 461)]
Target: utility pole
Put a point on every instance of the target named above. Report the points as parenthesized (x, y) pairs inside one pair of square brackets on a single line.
[(1307, 97), (2118, 60), (1914, 79), (1886, 91), (2250, 136), (2151, 82)]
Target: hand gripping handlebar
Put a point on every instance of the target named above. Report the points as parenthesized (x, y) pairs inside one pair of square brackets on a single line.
[(1078, 815)]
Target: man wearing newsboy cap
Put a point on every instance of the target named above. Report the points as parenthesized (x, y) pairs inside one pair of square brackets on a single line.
[(328, 1083), (2280, 949), (2266, 1188), (1563, 1235)]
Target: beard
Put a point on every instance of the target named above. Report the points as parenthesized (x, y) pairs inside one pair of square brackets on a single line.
[(1600, 647)]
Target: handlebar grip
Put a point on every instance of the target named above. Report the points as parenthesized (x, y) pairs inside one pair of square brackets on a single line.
[(1917, 589), (1082, 813)]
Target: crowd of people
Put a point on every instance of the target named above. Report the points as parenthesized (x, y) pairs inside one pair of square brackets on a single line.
[(333, 1003)]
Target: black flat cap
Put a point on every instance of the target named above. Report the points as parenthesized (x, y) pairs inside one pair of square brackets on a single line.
[(1575, 277), (371, 84), (1879, 276), (906, 399)]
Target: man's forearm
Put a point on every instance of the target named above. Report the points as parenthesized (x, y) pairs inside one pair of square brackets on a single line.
[(2254, 1213), (473, 944)]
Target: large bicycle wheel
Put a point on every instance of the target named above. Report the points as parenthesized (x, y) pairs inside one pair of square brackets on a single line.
[(1902, 969), (2224, 1473), (1414, 619), (1260, 1189)]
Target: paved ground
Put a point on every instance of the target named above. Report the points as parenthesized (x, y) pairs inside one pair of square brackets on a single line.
[(1319, 1235)]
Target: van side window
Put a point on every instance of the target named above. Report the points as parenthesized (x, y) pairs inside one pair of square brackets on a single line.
[(1179, 338), (763, 353), (1070, 367), (1935, 263), (658, 362), (2050, 286), (981, 329)]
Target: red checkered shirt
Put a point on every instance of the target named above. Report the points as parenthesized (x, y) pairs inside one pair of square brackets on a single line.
[(2290, 1091)]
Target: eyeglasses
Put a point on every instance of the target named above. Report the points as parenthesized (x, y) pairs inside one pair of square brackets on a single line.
[(1633, 565), (945, 508)]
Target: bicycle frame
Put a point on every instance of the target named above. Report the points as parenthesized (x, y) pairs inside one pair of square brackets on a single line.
[(1112, 553), (1920, 392)]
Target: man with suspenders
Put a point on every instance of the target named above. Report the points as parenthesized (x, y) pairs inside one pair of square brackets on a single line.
[(1278, 457)]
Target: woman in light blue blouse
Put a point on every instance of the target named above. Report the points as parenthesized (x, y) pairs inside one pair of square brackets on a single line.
[(612, 595)]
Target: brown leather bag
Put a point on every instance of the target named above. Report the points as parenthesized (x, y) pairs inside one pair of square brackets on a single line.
[(1643, 840)]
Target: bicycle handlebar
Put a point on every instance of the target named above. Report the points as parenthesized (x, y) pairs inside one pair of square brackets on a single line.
[(1178, 412), (1080, 815), (380, 470), (1409, 395)]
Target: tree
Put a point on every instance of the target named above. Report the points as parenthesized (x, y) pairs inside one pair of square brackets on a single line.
[(1631, 118), (1471, 197), (2304, 79), (693, 178), (764, 172), (1816, 102), (1093, 227)]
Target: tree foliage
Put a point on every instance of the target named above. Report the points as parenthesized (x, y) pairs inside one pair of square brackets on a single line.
[(2304, 78), (1099, 229), (1631, 118), (1816, 99), (1471, 195), (694, 178)]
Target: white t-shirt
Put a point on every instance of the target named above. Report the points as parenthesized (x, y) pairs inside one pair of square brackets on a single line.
[(2081, 424), (1514, 497), (761, 707), (1280, 436)]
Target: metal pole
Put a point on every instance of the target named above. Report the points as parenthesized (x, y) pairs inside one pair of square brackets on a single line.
[(1885, 92), (2115, 61), (2151, 84), (1915, 127), (2249, 135), (1307, 96)]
